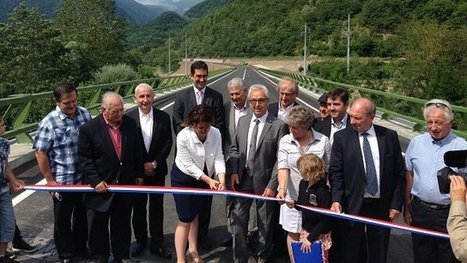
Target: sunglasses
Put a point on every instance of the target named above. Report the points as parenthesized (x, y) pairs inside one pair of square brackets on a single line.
[(437, 105)]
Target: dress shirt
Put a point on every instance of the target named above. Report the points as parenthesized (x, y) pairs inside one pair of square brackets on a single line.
[(335, 128), (192, 154), (116, 136), (282, 113), (262, 120), (372, 139), (457, 229), (57, 135), (425, 157), (240, 112), (289, 152), (199, 100), (147, 122)]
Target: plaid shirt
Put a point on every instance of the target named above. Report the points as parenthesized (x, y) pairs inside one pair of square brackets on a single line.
[(4, 152), (57, 135)]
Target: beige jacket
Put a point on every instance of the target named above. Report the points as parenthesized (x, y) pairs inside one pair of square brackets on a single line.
[(457, 229)]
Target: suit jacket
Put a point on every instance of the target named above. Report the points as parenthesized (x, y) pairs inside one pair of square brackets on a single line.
[(185, 101), (161, 142), (324, 126), (347, 172), (99, 161), (273, 108), (265, 171), (229, 126)]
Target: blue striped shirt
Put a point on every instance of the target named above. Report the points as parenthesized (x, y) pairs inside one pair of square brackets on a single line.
[(57, 135), (4, 152), (425, 157)]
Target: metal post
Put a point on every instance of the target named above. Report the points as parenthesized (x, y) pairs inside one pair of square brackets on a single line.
[(169, 55), (304, 54), (186, 54), (348, 43)]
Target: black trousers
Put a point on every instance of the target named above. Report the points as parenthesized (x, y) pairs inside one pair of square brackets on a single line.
[(156, 214), (366, 243), (430, 249), (118, 217), (70, 225)]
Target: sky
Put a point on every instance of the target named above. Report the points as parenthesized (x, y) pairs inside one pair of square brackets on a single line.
[(174, 5)]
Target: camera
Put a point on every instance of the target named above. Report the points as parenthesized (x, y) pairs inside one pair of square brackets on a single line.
[(456, 159)]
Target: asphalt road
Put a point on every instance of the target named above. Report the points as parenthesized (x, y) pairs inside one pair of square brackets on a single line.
[(35, 218)]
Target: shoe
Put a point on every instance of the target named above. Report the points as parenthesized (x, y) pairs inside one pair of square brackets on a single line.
[(227, 242), (22, 245), (191, 259), (205, 244), (138, 249), (160, 250), (6, 259), (126, 260), (66, 260)]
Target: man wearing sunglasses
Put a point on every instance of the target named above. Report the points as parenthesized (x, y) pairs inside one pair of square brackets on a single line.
[(425, 205)]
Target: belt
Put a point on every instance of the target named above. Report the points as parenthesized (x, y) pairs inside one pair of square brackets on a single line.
[(431, 205), (370, 200)]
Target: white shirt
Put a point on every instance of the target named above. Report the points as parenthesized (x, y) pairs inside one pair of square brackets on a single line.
[(240, 112), (199, 98), (262, 120), (192, 154), (335, 128), (374, 152), (282, 114), (147, 122)]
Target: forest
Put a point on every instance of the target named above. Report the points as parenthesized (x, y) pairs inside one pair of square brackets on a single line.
[(411, 47)]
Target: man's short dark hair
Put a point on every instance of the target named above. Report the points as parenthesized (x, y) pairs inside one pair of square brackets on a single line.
[(63, 89), (342, 94), (198, 65)]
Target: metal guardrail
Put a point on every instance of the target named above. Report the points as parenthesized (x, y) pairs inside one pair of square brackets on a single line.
[(383, 100)]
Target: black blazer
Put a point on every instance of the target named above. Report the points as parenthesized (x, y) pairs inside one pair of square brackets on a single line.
[(324, 126), (185, 101), (347, 173), (161, 142), (273, 108), (99, 161)]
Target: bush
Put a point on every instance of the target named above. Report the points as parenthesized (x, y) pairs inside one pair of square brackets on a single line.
[(115, 73)]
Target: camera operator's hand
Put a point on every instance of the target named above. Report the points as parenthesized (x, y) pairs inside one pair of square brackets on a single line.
[(458, 188)]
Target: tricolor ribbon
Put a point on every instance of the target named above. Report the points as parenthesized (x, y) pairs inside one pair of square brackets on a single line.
[(197, 191)]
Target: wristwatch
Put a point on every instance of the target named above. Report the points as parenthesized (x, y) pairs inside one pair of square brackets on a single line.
[(154, 164)]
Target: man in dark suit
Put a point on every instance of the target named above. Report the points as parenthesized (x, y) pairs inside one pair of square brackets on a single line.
[(287, 90), (338, 119), (252, 161), (155, 142), (184, 102), (367, 178), (109, 153)]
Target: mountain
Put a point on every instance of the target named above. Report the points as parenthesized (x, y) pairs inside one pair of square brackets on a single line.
[(204, 8), (178, 6), (46, 7)]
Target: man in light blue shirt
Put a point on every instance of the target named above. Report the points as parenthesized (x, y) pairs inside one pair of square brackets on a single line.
[(425, 206)]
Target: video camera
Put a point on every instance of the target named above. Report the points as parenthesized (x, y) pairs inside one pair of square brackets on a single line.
[(456, 159)]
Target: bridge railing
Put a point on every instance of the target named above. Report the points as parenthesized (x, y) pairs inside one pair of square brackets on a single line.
[(22, 112), (392, 105)]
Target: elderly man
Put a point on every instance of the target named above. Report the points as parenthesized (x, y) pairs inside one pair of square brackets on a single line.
[(366, 174), (109, 154), (156, 143), (56, 145), (425, 206), (252, 162), (338, 119), (287, 90)]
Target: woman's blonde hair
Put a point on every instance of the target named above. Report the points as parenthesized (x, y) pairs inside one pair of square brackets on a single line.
[(311, 167)]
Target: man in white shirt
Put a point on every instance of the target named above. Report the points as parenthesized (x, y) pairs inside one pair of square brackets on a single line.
[(287, 90)]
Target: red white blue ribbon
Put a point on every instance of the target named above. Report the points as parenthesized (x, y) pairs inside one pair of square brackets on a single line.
[(198, 191)]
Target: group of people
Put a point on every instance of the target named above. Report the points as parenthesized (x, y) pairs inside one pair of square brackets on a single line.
[(340, 160)]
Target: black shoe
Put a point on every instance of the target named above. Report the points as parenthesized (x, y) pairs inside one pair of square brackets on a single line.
[(227, 242), (205, 244), (6, 259), (138, 249), (66, 260), (22, 245), (160, 250)]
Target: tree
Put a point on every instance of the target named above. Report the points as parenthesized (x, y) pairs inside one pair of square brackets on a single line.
[(30, 53), (92, 24)]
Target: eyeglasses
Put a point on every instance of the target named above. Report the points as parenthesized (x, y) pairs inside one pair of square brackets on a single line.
[(258, 101), (437, 105)]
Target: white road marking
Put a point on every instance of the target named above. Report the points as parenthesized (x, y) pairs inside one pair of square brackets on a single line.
[(21, 197)]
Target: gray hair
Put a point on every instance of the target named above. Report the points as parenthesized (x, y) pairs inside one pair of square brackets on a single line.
[(301, 116), (443, 105), (106, 99), (238, 83), (144, 85), (287, 79), (256, 87)]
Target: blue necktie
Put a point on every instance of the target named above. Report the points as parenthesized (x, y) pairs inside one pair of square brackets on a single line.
[(371, 181)]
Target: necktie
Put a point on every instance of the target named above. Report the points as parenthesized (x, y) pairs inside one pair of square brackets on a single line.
[(372, 182), (252, 146), (199, 97)]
